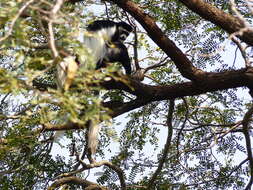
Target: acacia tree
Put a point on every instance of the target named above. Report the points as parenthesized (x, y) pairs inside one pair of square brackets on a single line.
[(192, 111)]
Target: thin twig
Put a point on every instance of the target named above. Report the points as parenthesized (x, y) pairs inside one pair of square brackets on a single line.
[(166, 146), (161, 63), (135, 46), (106, 10), (182, 127), (242, 50), (53, 13), (245, 124)]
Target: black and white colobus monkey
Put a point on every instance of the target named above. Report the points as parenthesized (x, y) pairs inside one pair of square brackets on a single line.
[(114, 50), (114, 34), (104, 39)]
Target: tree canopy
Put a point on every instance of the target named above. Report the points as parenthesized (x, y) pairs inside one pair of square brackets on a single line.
[(182, 120)]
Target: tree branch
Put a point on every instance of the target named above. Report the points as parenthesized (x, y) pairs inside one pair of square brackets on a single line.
[(78, 181), (166, 146), (245, 124), (53, 15), (227, 22), (183, 64), (67, 126), (211, 82), (115, 168), (148, 93)]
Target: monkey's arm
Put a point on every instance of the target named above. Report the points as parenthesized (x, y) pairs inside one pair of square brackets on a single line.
[(126, 62), (116, 52)]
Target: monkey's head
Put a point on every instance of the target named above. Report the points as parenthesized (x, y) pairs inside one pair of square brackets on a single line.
[(124, 30), (112, 31)]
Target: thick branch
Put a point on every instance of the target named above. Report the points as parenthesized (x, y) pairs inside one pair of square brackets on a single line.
[(183, 64), (67, 126), (211, 82), (117, 169), (148, 93), (224, 20), (78, 181)]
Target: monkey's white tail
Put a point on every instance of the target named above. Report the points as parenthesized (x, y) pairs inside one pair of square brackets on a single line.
[(93, 137), (66, 71)]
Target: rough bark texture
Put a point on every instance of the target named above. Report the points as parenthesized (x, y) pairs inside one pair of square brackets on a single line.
[(183, 64), (227, 22)]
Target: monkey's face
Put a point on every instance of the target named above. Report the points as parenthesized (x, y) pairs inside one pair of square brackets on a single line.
[(123, 34)]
